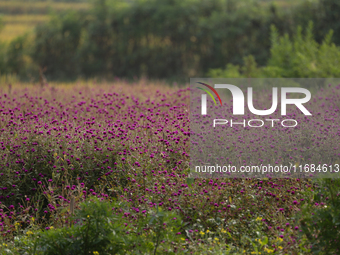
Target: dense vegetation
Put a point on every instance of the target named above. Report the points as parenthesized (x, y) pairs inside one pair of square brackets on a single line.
[(103, 168), (62, 146), (163, 39)]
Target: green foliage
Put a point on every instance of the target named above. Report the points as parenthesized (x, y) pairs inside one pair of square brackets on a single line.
[(1, 23), (95, 52), (324, 14), (320, 222), (151, 38), (3, 67), (15, 58), (56, 45), (101, 227), (299, 56), (15, 7), (232, 71), (16, 55), (173, 38), (302, 56)]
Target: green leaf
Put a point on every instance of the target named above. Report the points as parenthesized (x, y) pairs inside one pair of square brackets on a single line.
[(190, 181)]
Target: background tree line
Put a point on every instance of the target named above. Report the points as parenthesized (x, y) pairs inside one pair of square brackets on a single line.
[(177, 39)]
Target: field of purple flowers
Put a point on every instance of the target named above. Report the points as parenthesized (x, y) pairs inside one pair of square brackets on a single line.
[(129, 143)]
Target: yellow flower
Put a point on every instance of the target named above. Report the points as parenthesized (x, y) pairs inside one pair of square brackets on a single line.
[(280, 247), (269, 250), (258, 219), (216, 239), (208, 231), (29, 233), (17, 223), (279, 239), (88, 216), (96, 253), (202, 233), (51, 227), (223, 231)]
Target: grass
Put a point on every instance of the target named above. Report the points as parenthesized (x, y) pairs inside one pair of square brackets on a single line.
[(20, 17), (24, 7), (12, 31), (24, 18), (17, 25)]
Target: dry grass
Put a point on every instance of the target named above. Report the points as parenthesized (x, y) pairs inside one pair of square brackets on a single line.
[(11, 31), (23, 7), (25, 18), (20, 17), (16, 25)]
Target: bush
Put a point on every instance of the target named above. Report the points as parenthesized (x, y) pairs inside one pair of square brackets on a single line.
[(297, 57), (150, 38), (104, 228), (303, 57), (55, 46), (320, 219), (176, 39)]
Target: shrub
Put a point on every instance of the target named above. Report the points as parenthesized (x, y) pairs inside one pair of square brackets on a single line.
[(55, 45), (320, 218), (103, 227), (297, 57)]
